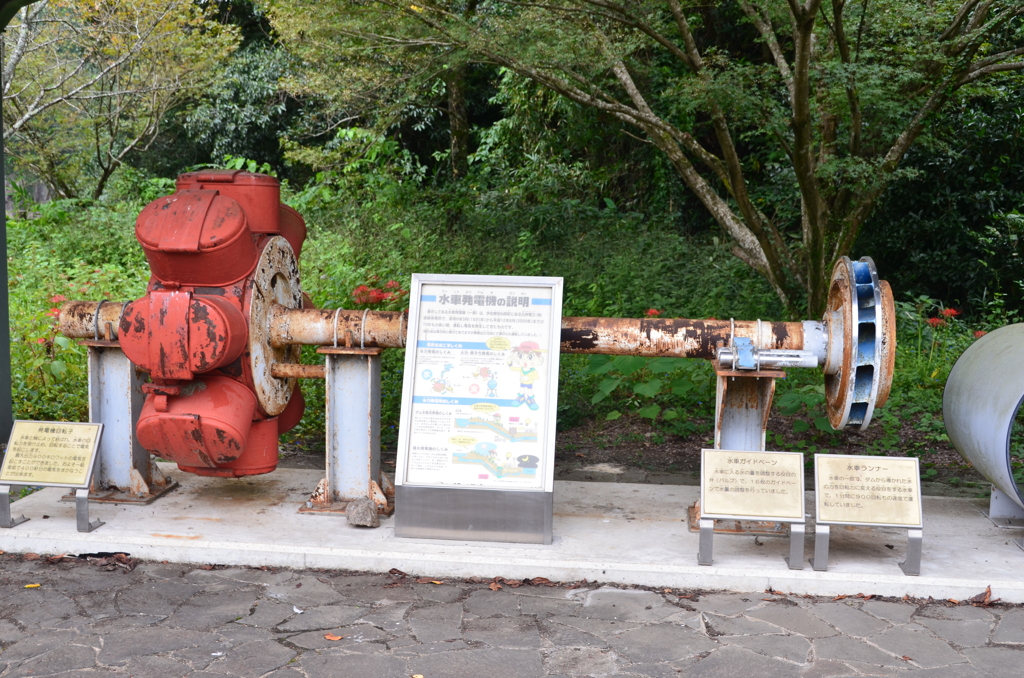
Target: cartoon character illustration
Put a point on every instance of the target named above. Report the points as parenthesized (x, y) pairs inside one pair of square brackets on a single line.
[(441, 383), (524, 359), (492, 380)]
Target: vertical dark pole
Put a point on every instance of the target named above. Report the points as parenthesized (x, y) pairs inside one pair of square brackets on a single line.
[(6, 400)]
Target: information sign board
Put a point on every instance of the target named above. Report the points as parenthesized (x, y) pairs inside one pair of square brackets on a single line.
[(479, 398), (863, 490), (752, 485), (57, 454)]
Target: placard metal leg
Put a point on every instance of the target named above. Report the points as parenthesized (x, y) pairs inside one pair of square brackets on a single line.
[(912, 565), (707, 537), (5, 508), (796, 546), (821, 536), (82, 512)]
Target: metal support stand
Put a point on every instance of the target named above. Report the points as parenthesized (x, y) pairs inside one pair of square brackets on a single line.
[(795, 560), (821, 536), (912, 565), (742, 404), (353, 433), (1003, 511), (82, 512), (5, 508), (125, 472), (707, 539)]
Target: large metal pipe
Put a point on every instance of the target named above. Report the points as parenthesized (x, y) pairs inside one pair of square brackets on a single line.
[(984, 391), (649, 337)]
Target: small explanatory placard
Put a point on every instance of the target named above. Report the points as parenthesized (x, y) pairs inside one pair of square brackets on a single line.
[(861, 490), (752, 485), (57, 454)]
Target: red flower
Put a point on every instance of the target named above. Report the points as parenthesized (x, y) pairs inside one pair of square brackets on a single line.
[(53, 312), (392, 284), (936, 322), (949, 312), (41, 340), (653, 312), (57, 298), (978, 334)]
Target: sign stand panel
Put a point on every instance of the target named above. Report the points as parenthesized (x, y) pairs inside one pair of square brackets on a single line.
[(479, 401), (871, 492), (740, 485), (51, 454)]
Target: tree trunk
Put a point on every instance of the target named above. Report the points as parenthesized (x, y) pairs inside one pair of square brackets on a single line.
[(458, 120)]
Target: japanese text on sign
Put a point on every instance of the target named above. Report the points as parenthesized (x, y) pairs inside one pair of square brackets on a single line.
[(50, 453), (876, 490), (752, 485)]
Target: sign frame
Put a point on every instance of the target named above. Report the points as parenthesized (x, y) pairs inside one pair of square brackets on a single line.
[(488, 510), (801, 480), (916, 483), (81, 490), (90, 466)]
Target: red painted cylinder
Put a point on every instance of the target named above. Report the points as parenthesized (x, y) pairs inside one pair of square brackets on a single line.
[(191, 330)]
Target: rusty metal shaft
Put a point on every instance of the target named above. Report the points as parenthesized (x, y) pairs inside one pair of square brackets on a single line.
[(654, 337)]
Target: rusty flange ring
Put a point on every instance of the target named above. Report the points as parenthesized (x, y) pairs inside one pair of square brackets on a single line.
[(861, 322), (275, 281)]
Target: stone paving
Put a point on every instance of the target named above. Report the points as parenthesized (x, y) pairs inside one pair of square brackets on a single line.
[(165, 620)]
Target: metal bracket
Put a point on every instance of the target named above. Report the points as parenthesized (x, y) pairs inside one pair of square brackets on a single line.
[(82, 512), (707, 539), (5, 508), (795, 560), (1003, 511), (821, 536), (912, 565)]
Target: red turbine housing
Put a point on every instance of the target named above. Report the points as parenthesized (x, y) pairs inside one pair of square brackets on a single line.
[(222, 250)]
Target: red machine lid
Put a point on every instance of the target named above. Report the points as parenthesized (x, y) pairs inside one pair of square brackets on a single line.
[(190, 221)]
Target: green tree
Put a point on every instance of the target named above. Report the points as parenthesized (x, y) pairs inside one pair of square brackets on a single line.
[(786, 119), (88, 83)]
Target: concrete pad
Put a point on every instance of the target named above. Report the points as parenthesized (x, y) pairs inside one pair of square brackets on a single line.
[(605, 532)]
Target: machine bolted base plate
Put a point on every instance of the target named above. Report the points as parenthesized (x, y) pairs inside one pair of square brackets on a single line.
[(122, 497), (340, 506)]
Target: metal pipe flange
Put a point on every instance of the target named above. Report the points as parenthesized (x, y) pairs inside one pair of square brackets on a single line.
[(861, 321)]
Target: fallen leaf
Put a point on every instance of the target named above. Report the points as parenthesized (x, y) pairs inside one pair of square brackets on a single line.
[(393, 585), (906, 658), (667, 591), (428, 580), (32, 586), (299, 585), (514, 583), (331, 636), (53, 560), (397, 572), (688, 596), (494, 586), (839, 597), (984, 599), (954, 601), (417, 675), (31, 556), (544, 581)]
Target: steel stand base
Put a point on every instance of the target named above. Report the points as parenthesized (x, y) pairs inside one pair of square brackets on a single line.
[(82, 512), (5, 508), (795, 559), (912, 565), (821, 536), (118, 496), (707, 542)]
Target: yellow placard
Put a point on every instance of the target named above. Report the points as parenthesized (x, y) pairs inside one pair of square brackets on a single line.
[(859, 489), (752, 485), (499, 344), (50, 453)]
